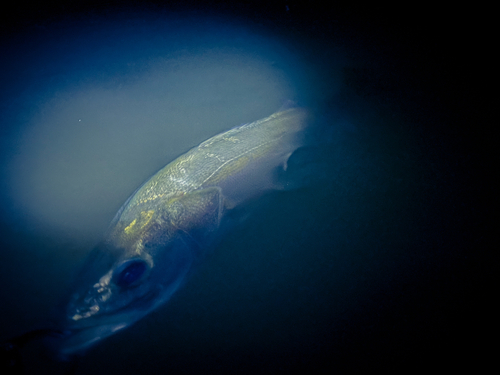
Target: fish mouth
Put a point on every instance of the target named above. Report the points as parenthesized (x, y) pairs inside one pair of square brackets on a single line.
[(77, 341), (83, 333)]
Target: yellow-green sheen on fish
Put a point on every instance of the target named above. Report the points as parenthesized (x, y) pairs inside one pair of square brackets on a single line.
[(170, 222)]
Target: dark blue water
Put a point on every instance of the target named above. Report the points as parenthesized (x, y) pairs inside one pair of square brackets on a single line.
[(369, 262)]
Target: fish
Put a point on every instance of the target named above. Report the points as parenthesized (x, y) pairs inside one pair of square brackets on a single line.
[(170, 224)]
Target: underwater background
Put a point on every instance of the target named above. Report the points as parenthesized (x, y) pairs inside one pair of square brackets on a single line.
[(375, 256)]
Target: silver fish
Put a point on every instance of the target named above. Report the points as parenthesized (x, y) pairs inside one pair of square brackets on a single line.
[(170, 222)]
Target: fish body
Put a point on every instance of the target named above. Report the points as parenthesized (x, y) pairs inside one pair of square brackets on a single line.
[(168, 224)]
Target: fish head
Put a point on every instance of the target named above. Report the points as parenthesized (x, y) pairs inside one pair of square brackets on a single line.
[(145, 257), (119, 285)]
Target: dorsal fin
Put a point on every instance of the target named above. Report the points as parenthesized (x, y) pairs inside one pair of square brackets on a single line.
[(288, 104)]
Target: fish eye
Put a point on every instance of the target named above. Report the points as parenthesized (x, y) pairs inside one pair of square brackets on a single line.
[(129, 272)]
